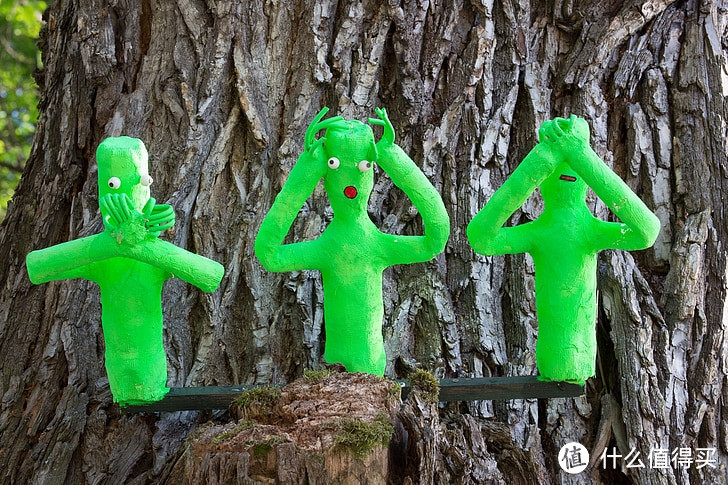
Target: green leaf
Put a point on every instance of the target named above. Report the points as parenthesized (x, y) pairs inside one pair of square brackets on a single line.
[(20, 23)]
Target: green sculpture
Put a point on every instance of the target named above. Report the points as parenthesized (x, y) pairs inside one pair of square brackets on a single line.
[(352, 252), (130, 265), (564, 240)]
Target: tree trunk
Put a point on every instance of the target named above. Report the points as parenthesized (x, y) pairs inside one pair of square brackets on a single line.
[(222, 92)]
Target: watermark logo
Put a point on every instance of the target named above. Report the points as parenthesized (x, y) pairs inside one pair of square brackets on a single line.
[(661, 458), (573, 457)]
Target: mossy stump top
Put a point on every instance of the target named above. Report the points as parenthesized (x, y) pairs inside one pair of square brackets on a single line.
[(326, 425)]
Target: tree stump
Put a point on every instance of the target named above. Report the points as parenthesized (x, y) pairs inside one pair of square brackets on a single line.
[(323, 428), (341, 428)]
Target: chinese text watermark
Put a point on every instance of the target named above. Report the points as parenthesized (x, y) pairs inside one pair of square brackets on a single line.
[(574, 458)]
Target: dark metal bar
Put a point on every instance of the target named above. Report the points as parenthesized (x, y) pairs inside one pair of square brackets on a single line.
[(191, 399), (460, 389), (505, 388)]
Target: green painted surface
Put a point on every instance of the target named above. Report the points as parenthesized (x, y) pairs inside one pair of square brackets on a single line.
[(564, 240), (130, 265), (352, 252)]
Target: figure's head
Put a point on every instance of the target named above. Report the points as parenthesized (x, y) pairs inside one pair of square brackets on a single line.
[(351, 153), (123, 169), (563, 187)]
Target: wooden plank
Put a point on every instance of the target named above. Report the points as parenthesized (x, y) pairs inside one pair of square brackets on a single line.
[(459, 389)]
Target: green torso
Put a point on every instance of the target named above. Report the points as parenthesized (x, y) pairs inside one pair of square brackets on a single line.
[(351, 269), (565, 258), (131, 317)]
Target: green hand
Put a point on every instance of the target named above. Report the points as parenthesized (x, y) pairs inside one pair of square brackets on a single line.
[(383, 120), (310, 141), (116, 210), (158, 217), (121, 219)]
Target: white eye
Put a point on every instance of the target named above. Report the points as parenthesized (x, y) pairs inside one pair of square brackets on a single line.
[(146, 180), (334, 163), (364, 165), (114, 182)]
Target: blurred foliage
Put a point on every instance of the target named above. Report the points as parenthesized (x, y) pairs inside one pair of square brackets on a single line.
[(20, 22)]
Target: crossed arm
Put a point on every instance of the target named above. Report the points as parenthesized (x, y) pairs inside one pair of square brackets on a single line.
[(127, 234)]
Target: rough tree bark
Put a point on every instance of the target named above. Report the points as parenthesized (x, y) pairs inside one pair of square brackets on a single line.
[(222, 92)]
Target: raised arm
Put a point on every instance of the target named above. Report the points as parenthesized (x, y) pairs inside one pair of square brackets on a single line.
[(639, 227), (305, 175), (408, 177), (485, 232)]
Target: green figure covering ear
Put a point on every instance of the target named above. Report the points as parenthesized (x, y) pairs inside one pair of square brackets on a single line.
[(351, 253), (130, 264), (564, 240)]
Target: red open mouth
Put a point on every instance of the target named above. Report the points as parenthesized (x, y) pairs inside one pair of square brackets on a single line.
[(350, 192), (568, 178)]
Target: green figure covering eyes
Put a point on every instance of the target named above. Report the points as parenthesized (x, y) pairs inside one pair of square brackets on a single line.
[(130, 264), (351, 253), (564, 240)]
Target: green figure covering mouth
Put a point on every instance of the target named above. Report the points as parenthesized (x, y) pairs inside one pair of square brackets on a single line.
[(352, 252), (564, 240), (130, 265)]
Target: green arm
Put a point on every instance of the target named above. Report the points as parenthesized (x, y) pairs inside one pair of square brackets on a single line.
[(305, 175), (408, 177), (68, 260), (269, 247), (197, 270), (485, 232), (127, 234), (639, 227), (136, 235)]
